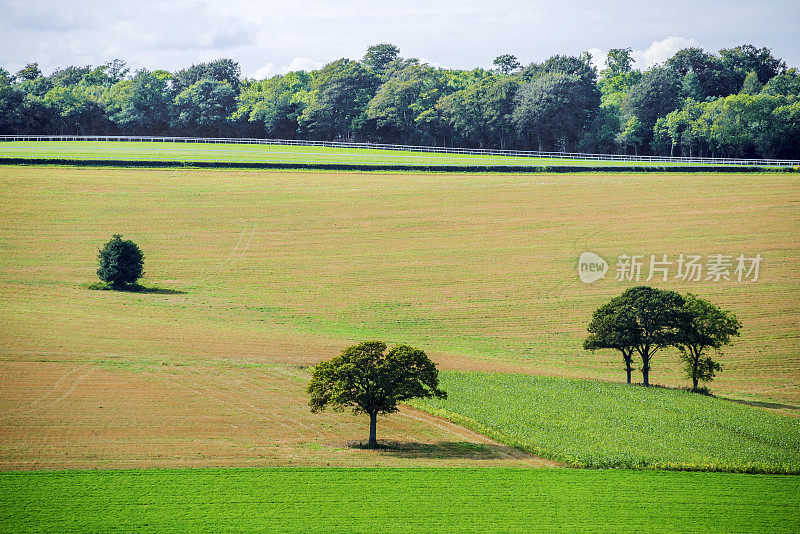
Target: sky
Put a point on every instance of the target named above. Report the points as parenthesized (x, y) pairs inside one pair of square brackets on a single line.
[(269, 38)]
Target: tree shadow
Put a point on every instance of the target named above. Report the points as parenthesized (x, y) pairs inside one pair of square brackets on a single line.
[(443, 450), (135, 288), (153, 290), (763, 404), (704, 391)]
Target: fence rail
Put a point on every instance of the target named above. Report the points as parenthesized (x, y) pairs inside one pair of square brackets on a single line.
[(251, 150)]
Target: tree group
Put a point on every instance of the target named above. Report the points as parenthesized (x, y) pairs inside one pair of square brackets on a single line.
[(643, 320), (741, 102)]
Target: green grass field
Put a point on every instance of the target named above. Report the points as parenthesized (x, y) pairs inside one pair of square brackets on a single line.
[(279, 154), (586, 423), (396, 500)]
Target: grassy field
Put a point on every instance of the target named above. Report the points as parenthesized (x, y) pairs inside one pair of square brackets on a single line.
[(397, 500), (588, 423), (260, 274), (283, 154)]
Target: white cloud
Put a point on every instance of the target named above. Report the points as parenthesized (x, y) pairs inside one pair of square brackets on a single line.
[(304, 63), (267, 71), (298, 63), (457, 33), (660, 51), (598, 57), (433, 64)]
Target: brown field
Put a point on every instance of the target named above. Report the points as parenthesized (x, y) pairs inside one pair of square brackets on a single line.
[(264, 273), (81, 416)]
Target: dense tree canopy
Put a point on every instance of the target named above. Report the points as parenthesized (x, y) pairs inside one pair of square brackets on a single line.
[(480, 112), (204, 107), (643, 320), (371, 381), (120, 262), (506, 63), (275, 104), (143, 104), (380, 56), (704, 327), (612, 328), (221, 70), (740, 102), (402, 100), (655, 95), (340, 93), (554, 109)]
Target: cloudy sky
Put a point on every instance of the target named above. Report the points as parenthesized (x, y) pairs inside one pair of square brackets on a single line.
[(273, 37)]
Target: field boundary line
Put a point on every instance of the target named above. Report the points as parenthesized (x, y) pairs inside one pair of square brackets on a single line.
[(451, 156), (380, 167)]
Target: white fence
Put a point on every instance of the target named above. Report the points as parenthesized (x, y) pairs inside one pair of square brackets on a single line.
[(190, 149)]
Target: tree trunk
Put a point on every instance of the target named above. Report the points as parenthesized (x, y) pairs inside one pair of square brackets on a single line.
[(694, 383), (628, 358), (373, 423), (646, 372)]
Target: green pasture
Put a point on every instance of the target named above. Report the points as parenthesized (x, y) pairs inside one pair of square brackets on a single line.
[(588, 423), (396, 500), (276, 154)]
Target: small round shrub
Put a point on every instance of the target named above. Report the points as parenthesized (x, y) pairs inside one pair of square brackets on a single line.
[(120, 262)]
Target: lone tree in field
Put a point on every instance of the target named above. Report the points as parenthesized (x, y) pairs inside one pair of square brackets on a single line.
[(121, 262), (704, 327), (371, 382), (610, 329), (647, 319)]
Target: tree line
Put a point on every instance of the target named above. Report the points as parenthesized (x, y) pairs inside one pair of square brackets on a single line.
[(741, 102)]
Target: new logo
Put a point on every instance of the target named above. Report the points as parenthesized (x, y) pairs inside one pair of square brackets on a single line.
[(591, 267)]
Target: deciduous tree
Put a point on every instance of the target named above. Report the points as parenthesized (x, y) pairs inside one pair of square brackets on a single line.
[(553, 110), (403, 97), (747, 58), (619, 61), (220, 70), (611, 328), (120, 262), (643, 317), (507, 63), (480, 113), (340, 93), (704, 326), (380, 56), (751, 85), (370, 381), (655, 95), (205, 107)]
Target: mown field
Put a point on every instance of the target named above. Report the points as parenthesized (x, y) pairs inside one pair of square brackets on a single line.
[(260, 274), (397, 500), (586, 423), (280, 154)]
